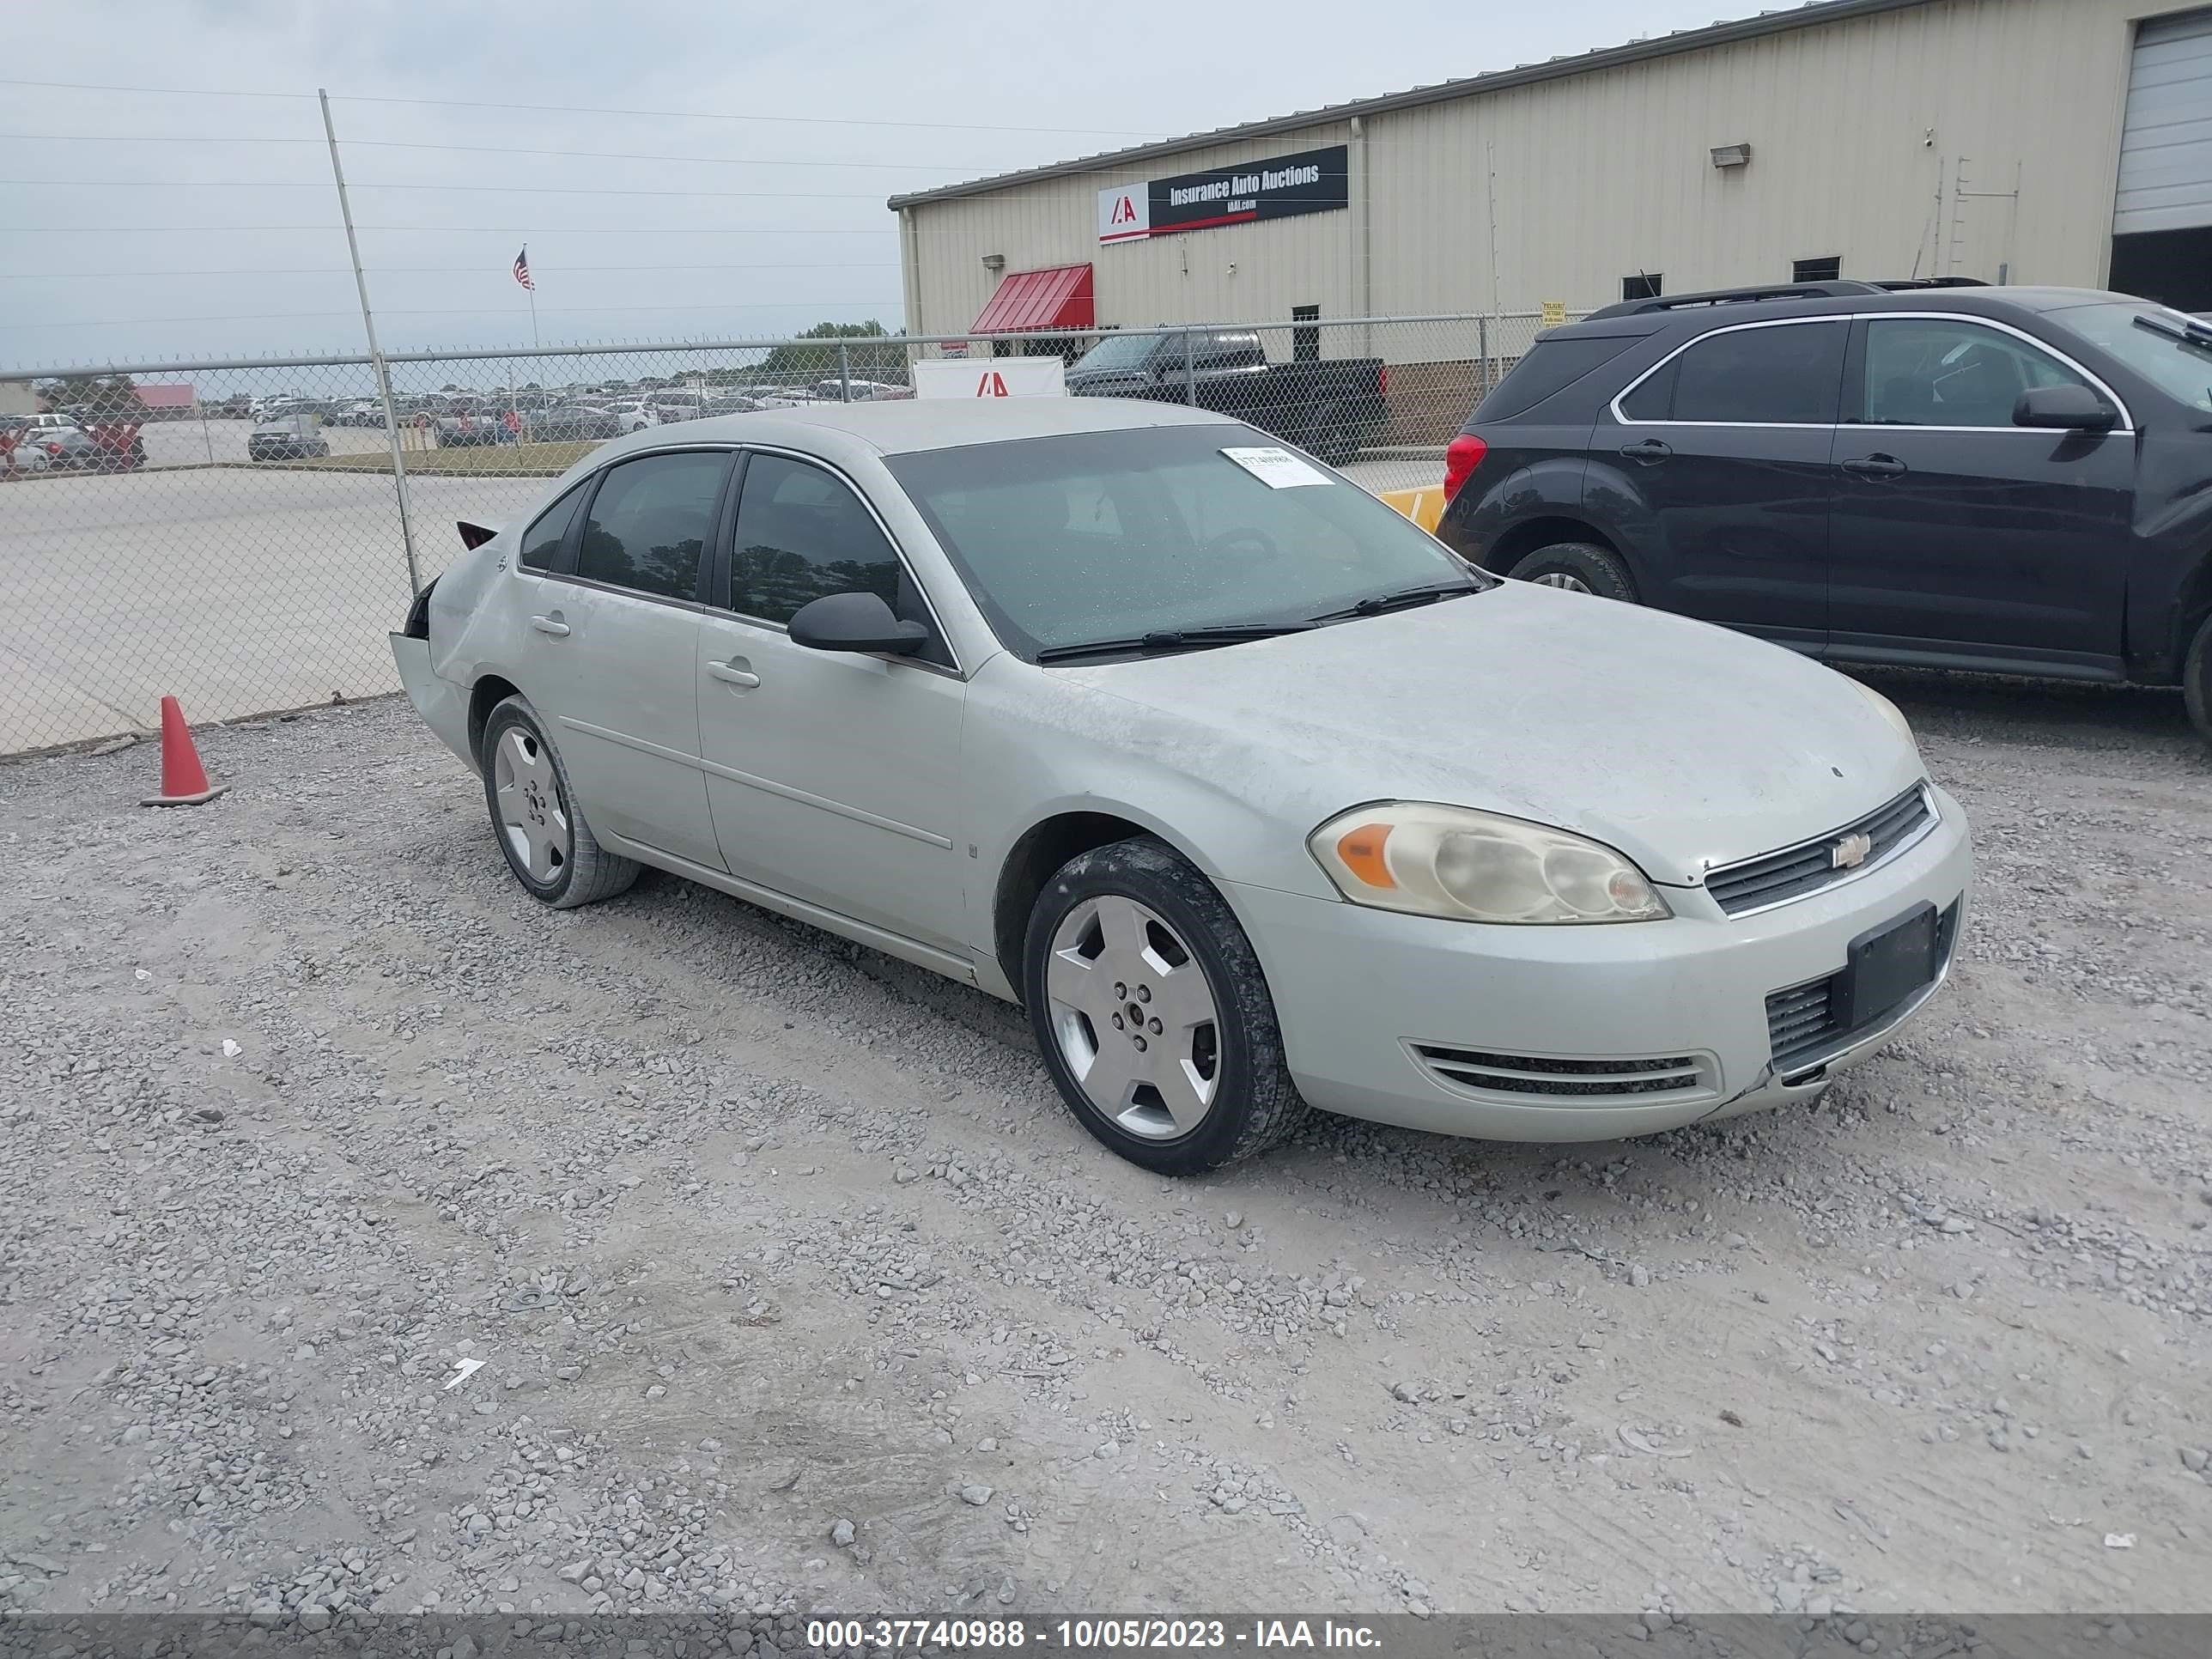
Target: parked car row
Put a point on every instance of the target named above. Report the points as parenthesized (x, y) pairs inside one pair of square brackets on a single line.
[(58, 442)]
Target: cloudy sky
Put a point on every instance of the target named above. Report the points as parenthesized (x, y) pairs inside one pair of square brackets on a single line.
[(721, 168)]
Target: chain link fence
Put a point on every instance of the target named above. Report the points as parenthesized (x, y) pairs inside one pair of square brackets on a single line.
[(243, 534)]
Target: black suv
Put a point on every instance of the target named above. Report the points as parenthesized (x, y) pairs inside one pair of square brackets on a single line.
[(2010, 480)]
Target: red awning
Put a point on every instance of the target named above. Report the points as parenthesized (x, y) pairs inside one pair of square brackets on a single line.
[(1058, 296)]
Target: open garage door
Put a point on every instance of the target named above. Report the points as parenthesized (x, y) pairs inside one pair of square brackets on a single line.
[(2162, 217)]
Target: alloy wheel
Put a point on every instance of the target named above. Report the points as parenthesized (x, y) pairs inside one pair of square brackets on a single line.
[(1136, 1023), (1564, 580), (532, 815)]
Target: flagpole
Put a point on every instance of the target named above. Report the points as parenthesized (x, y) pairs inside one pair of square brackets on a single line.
[(533, 292), (378, 367)]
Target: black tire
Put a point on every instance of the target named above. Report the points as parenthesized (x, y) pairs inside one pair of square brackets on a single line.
[(2197, 680), (1595, 569), (1255, 1104), (586, 871)]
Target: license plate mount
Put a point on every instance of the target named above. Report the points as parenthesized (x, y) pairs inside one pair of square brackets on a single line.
[(1886, 965)]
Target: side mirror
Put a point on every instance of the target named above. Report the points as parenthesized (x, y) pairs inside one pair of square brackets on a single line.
[(2064, 409), (855, 622)]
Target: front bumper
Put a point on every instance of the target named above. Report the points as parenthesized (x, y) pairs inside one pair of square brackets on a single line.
[(1462, 1028)]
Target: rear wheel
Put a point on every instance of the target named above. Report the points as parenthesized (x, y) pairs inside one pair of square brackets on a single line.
[(2197, 680), (534, 815), (1579, 568), (1154, 1019)]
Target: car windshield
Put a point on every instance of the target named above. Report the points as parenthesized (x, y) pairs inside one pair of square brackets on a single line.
[(1157, 530), (1119, 351), (2171, 351)]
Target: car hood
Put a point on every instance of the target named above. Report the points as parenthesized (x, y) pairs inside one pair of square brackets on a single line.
[(1683, 745), (1108, 382)]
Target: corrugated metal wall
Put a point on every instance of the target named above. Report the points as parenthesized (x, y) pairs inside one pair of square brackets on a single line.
[(1862, 132)]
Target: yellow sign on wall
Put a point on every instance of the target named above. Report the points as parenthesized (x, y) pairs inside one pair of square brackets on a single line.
[(1555, 313)]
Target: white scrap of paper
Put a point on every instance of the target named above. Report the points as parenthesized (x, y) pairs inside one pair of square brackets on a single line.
[(463, 1370), (1278, 469)]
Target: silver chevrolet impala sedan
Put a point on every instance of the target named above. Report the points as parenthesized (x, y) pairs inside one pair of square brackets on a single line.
[(1252, 794)]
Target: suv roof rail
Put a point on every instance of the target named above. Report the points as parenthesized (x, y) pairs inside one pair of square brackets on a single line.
[(1842, 288)]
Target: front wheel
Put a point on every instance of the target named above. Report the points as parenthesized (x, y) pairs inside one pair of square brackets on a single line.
[(534, 814), (2197, 680), (1579, 568), (1148, 1003)]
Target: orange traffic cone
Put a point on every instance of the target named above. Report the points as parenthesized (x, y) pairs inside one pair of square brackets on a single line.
[(183, 779)]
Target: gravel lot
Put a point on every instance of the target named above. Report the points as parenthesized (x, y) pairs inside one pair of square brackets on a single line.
[(795, 1288)]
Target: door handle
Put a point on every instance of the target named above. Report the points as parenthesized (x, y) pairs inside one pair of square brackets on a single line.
[(731, 674), (1650, 450), (1876, 466), (551, 624)]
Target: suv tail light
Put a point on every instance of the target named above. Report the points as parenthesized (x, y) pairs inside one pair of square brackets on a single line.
[(1382, 380), (1462, 456)]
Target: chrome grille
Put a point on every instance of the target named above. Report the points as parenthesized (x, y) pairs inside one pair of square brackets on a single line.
[(1533, 1076), (1778, 877)]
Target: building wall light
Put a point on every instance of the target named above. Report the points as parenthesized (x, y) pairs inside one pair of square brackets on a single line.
[(1731, 155)]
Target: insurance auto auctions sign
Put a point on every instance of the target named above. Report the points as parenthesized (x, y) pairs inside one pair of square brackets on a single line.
[(1312, 181)]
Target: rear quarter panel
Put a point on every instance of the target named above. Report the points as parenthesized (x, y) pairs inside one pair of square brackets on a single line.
[(1540, 475)]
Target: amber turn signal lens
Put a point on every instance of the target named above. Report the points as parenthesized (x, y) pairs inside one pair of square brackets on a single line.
[(1361, 849)]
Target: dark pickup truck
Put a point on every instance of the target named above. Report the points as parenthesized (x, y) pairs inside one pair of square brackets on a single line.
[(1329, 407)]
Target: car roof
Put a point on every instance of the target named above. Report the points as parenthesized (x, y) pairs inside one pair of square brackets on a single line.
[(904, 427), (1975, 302)]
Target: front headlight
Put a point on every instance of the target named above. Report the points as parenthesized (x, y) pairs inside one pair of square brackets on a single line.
[(1465, 865), (1889, 711)]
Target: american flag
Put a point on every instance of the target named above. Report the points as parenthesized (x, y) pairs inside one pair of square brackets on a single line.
[(522, 269)]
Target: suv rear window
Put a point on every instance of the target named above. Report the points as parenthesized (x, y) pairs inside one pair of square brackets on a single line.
[(1550, 366), (1778, 375)]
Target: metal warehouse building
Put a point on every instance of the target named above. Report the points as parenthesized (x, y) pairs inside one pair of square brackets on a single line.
[(2028, 141)]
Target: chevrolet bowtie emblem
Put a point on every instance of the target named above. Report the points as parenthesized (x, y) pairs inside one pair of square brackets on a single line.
[(1851, 851)]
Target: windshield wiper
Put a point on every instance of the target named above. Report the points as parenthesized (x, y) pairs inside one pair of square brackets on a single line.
[(1425, 593), (2198, 337), (1175, 639)]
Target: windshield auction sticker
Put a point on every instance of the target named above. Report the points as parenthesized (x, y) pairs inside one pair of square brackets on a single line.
[(1278, 469)]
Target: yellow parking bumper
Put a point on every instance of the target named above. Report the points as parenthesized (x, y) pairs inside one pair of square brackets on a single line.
[(1424, 506)]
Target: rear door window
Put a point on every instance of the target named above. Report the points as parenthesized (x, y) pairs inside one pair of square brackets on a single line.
[(1781, 375), (650, 521), (541, 543)]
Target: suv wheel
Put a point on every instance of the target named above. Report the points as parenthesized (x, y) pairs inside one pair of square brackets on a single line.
[(1579, 568), (2197, 680), (1155, 1020)]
